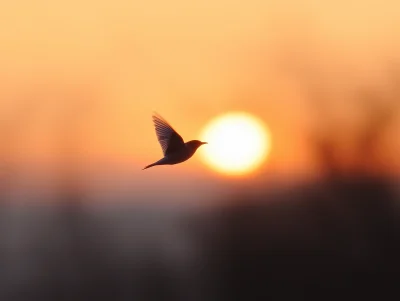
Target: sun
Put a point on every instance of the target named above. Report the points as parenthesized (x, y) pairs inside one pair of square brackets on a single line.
[(238, 143)]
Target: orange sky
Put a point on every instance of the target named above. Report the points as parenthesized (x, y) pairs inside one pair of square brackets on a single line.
[(104, 66)]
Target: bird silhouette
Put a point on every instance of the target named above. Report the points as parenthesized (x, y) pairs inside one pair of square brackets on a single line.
[(174, 148)]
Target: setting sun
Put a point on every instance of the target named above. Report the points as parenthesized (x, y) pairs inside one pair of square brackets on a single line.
[(238, 143)]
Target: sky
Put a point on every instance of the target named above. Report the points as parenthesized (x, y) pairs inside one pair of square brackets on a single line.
[(80, 79)]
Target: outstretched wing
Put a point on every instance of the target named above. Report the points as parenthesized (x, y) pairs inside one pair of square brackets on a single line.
[(168, 138)]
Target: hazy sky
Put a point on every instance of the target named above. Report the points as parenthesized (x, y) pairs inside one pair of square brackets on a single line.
[(95, 70)]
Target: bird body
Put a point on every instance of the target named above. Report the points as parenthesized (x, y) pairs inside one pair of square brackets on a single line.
[(174, 148)]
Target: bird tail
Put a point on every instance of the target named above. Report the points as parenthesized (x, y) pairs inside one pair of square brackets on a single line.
[(151, 165), (159, 162)]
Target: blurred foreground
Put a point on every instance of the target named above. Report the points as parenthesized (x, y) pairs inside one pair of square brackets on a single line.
[(337, 238)]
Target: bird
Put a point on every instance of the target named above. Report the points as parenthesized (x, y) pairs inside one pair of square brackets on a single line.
[(175, 150)]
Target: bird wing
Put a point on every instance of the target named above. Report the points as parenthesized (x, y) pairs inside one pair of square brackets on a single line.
[(168, 138)]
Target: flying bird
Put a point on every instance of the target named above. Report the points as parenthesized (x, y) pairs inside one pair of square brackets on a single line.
[(174, 148)]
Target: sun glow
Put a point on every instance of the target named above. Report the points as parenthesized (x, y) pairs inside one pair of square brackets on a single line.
[(238, 143)]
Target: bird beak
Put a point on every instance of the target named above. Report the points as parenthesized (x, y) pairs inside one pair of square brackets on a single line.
[(204, 143)]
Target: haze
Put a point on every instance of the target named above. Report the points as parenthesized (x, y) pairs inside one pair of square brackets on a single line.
[(79, 81)]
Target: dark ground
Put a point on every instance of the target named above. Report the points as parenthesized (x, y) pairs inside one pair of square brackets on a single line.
[(335, 240)]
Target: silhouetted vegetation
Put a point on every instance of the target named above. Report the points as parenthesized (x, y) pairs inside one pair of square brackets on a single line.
[(329, 240)]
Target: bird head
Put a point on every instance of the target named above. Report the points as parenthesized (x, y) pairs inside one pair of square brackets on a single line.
[(195, 144)]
